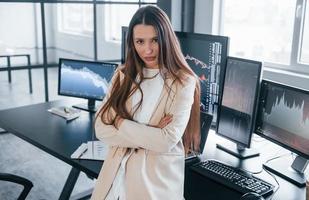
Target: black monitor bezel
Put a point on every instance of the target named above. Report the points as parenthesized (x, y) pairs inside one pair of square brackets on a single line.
[(255, 104), (260, 111), (81, 61), (206, 37), (224, 41), (201, 36), (124, 32)]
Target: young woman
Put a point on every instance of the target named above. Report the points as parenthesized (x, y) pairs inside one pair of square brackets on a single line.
[(150, 117)]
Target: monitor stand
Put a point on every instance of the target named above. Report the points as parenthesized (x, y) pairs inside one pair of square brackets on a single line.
[(239, 151), (294, 174), (90, 107)]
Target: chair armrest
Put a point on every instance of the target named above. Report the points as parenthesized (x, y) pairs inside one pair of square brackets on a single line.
[(19, 180)]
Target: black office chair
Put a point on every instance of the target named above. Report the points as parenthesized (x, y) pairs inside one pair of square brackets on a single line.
[(2, 130), (19, 180), (205, 123), (206, 120)]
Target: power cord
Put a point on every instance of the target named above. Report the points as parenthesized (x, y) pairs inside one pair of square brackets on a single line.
[(268, 172), (280, 156), (250, 172), (278, 184), (272, 175)]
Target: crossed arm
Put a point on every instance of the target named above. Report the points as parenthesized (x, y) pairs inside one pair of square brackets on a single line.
[(160, 138)]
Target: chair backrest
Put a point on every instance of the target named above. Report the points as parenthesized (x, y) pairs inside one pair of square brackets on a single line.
[(206, 120)]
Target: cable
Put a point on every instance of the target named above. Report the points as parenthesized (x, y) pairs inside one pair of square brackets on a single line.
[(278, 184), (276, 157), (250, 172), (272, 175), (248, 194), (257, 138)]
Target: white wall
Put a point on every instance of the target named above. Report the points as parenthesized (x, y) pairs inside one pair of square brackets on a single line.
[(17, 25), (17, 29), (21, 30)]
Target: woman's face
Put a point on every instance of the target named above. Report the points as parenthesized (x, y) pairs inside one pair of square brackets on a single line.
[(145, 40)]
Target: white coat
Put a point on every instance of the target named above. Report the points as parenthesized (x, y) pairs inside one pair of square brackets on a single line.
[(155, 171)]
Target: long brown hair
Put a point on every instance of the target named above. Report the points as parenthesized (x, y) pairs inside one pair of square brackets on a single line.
[(170, 59)]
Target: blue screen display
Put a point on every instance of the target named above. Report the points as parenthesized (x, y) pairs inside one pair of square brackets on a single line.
[(85, 79)]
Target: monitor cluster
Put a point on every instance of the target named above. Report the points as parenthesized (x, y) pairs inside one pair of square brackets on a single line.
[(232, 91), (241, 103), (275, 111)]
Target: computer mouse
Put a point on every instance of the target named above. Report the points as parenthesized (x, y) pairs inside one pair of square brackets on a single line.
[(251, 196)]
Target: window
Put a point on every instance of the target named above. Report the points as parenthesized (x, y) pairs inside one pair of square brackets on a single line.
[(268, 30), (304, 58), (115, 17), (260, 29), (75, 19)]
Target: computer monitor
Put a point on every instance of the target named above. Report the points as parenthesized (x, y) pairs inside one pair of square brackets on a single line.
[(283, 118), (206, 55), (84, 79), (124, 32), (237, 110)]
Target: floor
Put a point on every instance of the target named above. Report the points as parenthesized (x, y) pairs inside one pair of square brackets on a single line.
[(47, 173)]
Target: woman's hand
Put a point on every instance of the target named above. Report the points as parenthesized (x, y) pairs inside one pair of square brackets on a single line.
[(165, 121)]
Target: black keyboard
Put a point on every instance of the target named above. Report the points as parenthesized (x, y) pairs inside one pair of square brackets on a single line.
[(233, 178)]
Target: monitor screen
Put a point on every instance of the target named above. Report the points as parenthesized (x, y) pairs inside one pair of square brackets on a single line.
[(236, 114), (283, 116), (206, 55), (84, 79)]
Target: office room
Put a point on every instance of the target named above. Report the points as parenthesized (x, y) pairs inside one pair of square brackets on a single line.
[(214, 102)]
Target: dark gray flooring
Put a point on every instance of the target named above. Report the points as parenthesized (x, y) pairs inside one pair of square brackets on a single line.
[(47, 173)]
